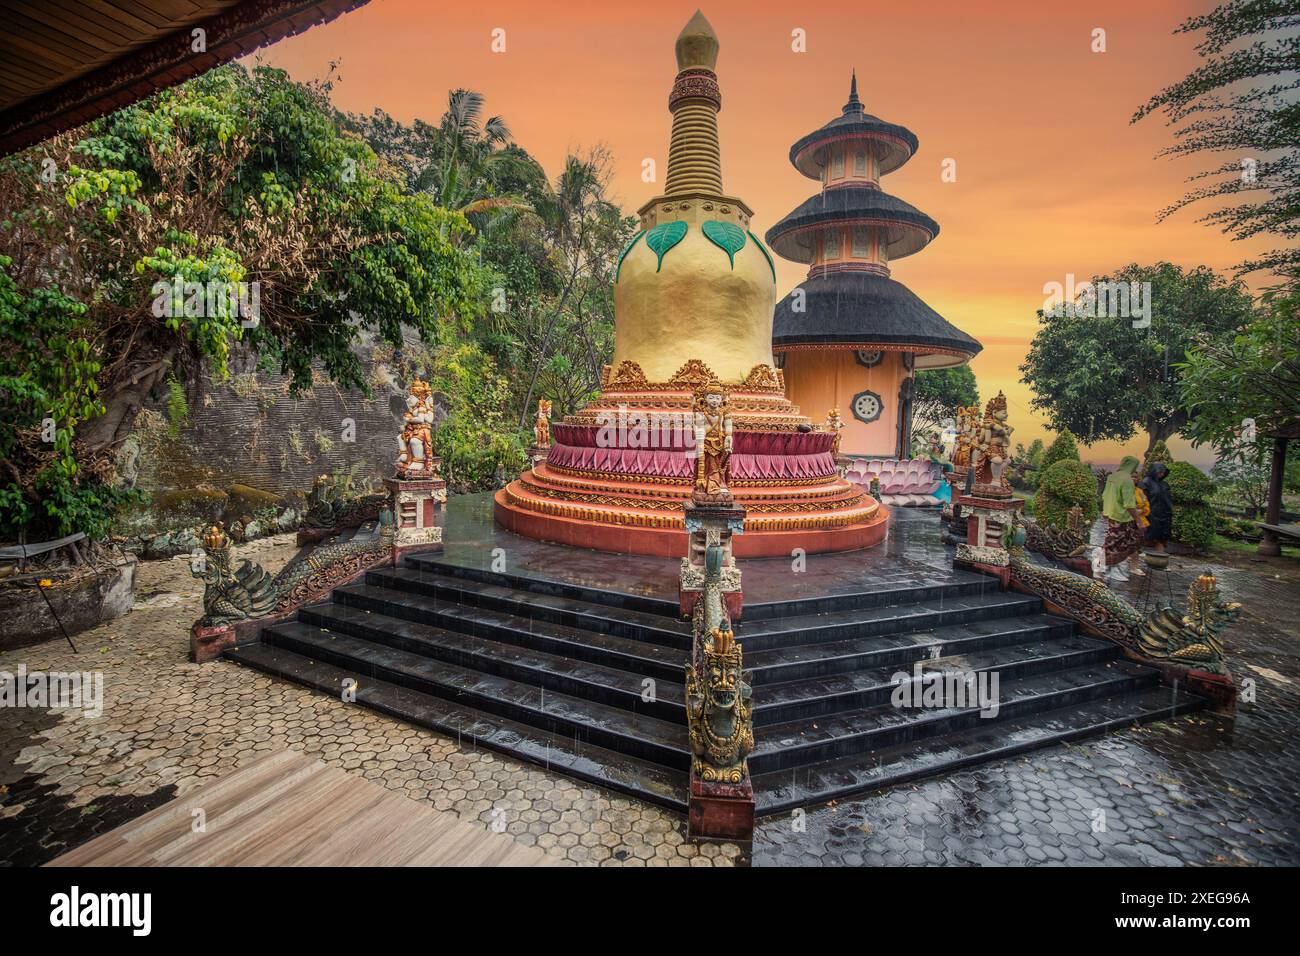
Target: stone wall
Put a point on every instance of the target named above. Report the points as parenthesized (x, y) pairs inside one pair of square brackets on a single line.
[(246, 432)]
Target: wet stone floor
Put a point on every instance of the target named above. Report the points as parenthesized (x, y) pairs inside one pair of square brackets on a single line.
[(1199, 790)]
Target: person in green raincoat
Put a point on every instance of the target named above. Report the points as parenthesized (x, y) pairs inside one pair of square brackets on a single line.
[(1119, 505)]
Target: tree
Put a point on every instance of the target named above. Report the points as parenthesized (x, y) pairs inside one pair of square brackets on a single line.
[(553, 246), (1247, 388), (1063, 448), (1102, 378), (1247, 383), (233, 178), (1241, 102), (939, 392)]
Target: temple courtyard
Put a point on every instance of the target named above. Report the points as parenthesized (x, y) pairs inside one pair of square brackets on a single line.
[(1197, 789)]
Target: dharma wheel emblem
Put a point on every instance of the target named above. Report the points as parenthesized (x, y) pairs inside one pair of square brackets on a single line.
[(867, 406), (868, 358)]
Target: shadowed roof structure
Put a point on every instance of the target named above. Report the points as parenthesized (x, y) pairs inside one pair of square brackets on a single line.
[(64, 63)]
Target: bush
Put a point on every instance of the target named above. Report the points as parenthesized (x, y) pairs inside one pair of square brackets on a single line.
[(1159, 453), (1064, 448), (1188, 484), (1194, 526), (1062, 486), (1194, 520), (1238, 529)]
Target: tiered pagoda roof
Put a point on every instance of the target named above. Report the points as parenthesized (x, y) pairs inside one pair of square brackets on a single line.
[(848, 233)]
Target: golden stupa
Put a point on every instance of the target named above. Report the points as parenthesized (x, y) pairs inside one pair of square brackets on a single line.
[(729, 302), (694, 296)]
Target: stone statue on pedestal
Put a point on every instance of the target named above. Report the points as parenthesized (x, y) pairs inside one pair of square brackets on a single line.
[(415, 458), (713, 428)]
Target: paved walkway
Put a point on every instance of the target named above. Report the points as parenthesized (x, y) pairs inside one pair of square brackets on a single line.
[(1198, 790)]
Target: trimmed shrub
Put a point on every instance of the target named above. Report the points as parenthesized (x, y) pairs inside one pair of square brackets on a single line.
[(1159, 453), (1188, 484), (1194, 520), (1064, 448), (1061, 487), (1194, 526)]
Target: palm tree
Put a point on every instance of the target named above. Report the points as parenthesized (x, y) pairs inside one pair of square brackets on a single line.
[(470, 157)]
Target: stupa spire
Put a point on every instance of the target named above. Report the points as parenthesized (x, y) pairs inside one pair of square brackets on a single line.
[(854, 105), (694, 159)]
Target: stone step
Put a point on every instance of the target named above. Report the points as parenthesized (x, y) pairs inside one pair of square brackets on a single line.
[(562, 753), (868, 622), (641, 657), (571, 612), (637, 734), (801, 661), (781, 791), (645, 604), (819, 696), (800, 742), (953, 584), (566, 675)]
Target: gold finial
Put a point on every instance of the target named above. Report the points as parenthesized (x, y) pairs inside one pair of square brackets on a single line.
[(694, 161), (697, 45)]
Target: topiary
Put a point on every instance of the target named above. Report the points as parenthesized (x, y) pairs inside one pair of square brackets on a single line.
[(1194, 520), (1064, 448), (1194, 526), (1159, 453), (1062, 486), (1188, 484)]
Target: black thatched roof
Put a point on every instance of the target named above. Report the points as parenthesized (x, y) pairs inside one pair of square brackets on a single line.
[(894, 144), (911, 232), (857, 308)]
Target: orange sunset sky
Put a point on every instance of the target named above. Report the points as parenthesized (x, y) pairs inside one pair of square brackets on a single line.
[(1051, 178)]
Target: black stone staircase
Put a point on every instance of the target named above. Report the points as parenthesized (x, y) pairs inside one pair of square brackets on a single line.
[(589, 682)]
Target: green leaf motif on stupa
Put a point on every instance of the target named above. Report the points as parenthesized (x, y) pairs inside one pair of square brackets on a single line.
[(623, 255), (730, 239), (766, 255), (663, 237)]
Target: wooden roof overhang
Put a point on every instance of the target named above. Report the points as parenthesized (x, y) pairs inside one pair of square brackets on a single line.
[(66, 62)]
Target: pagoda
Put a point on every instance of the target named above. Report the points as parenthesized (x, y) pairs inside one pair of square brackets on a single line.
[(850, 337), (694, 296)]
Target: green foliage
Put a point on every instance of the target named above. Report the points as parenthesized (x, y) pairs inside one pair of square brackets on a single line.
[(1063, 448), (1253, 375), (1104, 379), (47, 388), (478, 443), (937, 395), (178, 408), (1239, 107), (1159, 452), (1188, 485), (236, 176), (1194, 526), (1062, 486)]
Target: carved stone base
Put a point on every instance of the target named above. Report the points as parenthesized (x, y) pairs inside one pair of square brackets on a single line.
[(416, 504), (691, 586), (721, 811), (1219, 689), (207, 643), (711, 524), (537, 454)]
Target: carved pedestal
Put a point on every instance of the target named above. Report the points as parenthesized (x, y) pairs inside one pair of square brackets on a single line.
[(416, 505), (721, 811), (711, 525), (986, 520), (537, 454)]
